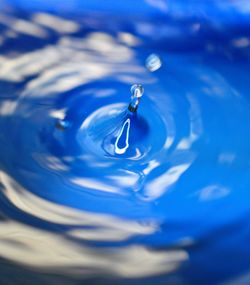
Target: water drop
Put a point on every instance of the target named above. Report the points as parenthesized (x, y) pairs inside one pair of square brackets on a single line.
[(153, 62), (137, 91), (62, 124)]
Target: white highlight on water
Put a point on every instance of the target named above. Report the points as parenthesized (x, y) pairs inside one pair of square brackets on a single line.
[(123, 150)]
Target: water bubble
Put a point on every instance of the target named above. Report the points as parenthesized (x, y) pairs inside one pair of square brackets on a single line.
[(137, 91), (153, 62)]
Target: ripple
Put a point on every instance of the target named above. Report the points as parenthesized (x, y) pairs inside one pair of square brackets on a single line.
[(165, 188)]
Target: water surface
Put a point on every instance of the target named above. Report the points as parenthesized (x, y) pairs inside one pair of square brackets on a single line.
[(168, 206)]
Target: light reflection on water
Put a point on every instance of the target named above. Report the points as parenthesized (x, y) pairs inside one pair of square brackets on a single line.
[(73, 210)]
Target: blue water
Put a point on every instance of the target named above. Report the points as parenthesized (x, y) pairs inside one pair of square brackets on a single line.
[(91, 193)]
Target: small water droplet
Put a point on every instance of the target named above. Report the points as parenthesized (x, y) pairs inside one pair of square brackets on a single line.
[(137, 91), (153, 62), (62, 124)]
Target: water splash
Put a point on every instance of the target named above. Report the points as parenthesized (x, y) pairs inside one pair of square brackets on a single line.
[(104, 212)]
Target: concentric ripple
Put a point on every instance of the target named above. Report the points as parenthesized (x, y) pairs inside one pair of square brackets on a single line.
[(92, 191)]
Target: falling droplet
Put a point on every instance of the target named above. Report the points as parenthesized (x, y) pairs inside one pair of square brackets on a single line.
[(153, 62), (62, 124), (137, 92)]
